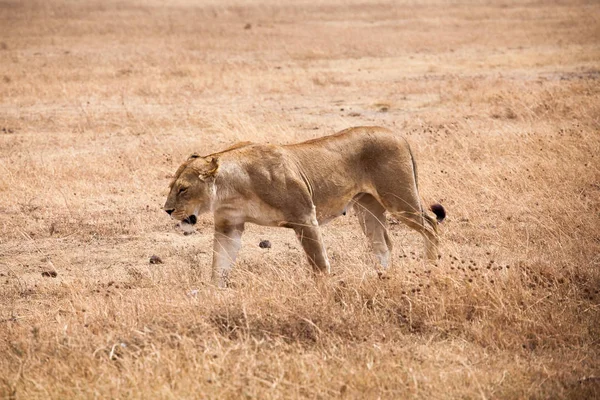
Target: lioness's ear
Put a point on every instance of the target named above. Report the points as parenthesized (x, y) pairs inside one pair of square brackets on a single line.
[(211, 168)]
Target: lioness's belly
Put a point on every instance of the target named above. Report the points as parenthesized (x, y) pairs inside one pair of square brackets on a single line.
[(329, 209)]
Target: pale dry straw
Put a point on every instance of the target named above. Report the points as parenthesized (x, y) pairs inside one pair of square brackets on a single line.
[(101, 101)]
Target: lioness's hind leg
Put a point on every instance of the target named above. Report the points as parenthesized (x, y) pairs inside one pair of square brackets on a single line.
[(407, 209), (426, 226), (371, 216)]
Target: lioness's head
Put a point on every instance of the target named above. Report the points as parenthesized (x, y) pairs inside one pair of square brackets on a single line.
[(192, 190)]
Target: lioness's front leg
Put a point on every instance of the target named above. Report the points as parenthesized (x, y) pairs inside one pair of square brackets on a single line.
[(227, 242), (312, 242)]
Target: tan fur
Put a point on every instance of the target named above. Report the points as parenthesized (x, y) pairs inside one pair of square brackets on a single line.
[(302, 186)]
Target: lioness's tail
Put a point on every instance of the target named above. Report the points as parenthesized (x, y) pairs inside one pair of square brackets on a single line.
[(440, 214), (439, 211)]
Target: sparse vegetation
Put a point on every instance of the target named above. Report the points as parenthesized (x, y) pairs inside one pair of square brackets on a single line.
[(101, 101)]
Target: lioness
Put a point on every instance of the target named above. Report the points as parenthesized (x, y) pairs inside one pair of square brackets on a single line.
[(302, 186)]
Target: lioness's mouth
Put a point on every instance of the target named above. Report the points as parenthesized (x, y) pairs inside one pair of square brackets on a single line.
[(191, 219)]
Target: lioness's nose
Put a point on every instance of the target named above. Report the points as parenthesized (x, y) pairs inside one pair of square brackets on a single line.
[(170, 211)]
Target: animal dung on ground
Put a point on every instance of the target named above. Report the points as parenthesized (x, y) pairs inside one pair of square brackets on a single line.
[(264, 244), (155, 260)]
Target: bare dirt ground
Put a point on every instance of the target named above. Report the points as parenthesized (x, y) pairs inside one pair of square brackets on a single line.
[(100, 101)]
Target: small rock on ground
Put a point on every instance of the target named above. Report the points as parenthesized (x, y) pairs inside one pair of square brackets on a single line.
[(264, 244), (155, 260)]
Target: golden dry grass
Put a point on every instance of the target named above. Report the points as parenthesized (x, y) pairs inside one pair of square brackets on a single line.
[(101, 101)]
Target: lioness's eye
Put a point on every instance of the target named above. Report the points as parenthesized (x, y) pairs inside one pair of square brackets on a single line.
[(181, 190)]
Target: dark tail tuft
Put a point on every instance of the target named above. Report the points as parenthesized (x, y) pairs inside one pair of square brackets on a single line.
[(439, 211)]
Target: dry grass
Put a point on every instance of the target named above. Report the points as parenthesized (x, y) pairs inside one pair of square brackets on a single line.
[(100, 101)]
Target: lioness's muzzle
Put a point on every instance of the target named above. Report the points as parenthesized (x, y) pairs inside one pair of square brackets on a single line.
[(191, 220)]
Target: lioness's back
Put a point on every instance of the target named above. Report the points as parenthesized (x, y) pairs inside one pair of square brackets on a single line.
[(360, 133), (359, 149)]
